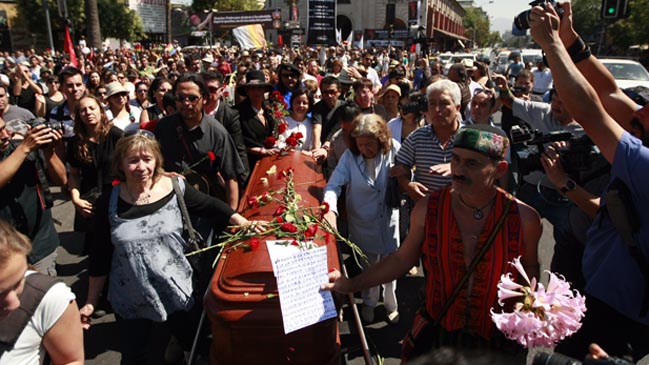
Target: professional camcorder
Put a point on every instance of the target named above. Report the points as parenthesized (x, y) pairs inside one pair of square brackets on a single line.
[(544, 358), (52, 124), (577, 157), (522, 20)]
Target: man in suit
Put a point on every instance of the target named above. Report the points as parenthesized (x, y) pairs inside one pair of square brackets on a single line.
[(229, 117)]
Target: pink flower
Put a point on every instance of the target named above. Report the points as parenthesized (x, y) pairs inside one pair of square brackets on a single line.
[(544, 316)]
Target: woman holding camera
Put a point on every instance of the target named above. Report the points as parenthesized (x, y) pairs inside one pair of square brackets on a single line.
[(89, 155)]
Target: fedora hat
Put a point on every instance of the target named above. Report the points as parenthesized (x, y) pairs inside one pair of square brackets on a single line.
[(115, 87), (254, 78), (344, 77)]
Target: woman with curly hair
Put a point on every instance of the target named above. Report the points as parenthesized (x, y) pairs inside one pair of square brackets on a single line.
[(90, 156)]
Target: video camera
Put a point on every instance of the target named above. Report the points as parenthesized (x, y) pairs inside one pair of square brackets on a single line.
[(522, 20), (544, 358), (52, 124), (577, 157)]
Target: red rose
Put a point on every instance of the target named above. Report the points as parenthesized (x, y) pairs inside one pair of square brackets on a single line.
[(226, 93), (280, 220), (294, 243), (267, 198), (253, 201), (269, 142), (278, 114), (311, 231), (298, 135), (211, 156), (279, 211), (281, 128), (292, 142), (288, 227), (276, 95), (284, 104), (115, 182), (254, 243), (324, 208)]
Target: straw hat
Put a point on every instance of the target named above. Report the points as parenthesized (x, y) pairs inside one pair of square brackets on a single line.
[(115, 87)]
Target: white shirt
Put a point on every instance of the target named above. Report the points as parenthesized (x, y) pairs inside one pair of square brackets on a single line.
[(542, 81), (29, 349), (305, 127)]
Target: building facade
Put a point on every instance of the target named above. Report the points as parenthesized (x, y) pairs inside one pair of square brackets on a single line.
[(390, 21)]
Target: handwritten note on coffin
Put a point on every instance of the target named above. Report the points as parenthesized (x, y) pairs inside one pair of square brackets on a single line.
[(299, 276)]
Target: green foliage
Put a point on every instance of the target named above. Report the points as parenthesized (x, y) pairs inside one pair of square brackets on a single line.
[(633, 30), (116, 19), (225, 5), (476, 25), (32, 15), (587, 21)]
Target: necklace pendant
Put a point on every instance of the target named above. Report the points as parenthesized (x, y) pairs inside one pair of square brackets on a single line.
[(478, 214)]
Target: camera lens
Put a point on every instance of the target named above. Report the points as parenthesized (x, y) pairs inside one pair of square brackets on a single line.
[(522, 20)]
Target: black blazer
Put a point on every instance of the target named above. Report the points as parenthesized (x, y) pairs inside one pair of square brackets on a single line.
[(254, 132), (229, 117)]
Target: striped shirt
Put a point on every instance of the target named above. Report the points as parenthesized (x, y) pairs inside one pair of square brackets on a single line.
[(421, 150)]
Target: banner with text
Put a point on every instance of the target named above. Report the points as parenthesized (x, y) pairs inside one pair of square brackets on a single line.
[(232, 19), (322, 22)]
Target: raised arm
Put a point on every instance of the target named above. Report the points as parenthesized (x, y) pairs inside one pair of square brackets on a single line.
[(579, 97), (617, 104)]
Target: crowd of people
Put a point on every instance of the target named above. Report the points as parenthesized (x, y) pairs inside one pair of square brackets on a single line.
[(405, 149)]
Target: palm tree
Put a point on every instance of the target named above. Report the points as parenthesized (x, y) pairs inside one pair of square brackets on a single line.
[(92, 24)]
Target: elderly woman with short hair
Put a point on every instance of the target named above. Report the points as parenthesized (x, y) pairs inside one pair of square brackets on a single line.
[(363, 171)]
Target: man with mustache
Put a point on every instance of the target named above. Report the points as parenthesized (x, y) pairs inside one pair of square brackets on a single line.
[(448, 229)]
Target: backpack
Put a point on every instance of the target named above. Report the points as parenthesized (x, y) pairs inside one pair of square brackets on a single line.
[(36, 286)]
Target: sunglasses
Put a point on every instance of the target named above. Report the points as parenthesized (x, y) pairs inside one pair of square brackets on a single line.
[(142, 91), (192, 98), (140, 132)]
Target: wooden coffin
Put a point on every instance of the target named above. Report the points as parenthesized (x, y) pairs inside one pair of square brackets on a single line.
[(242, 302)]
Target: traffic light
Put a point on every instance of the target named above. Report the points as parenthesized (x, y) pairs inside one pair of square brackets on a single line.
[(615, 9)]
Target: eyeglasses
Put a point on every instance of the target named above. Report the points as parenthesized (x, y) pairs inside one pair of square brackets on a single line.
[(142, 91), (141, 132), (102, 92), (192, 98)]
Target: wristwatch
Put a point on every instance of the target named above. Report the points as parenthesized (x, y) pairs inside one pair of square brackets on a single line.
[(570, 185)]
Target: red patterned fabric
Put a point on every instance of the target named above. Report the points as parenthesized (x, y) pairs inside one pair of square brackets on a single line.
[(443, 252)]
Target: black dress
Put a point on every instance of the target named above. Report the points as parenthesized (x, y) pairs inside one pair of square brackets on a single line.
[(102, 158)]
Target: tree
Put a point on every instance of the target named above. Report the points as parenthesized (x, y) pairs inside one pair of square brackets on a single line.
[(633, 30), (93, 29), (225, 5), (586, 19), (476, 25), (118, 21), (124, 23)]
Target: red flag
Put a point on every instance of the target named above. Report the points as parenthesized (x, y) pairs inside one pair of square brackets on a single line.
[(69, 47)]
